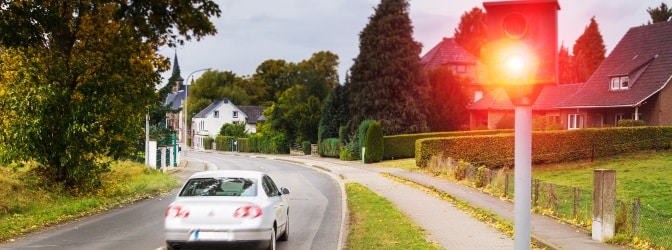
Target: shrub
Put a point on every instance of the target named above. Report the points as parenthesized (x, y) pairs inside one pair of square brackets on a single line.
[(373, 142), (630, 123), (349, 152), (329, 147), (481, 177), (207, 142), (223, 143), (361, 132), (460, 172), (403, 146), (305, 147), (244, 145)]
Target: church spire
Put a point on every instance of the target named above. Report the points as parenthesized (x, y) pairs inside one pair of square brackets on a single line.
[(176, 74)]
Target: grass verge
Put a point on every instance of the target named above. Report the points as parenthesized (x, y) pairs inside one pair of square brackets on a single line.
[(376, 224), (29, 204)]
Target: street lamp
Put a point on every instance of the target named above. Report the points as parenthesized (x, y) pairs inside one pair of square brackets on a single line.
[(520, 56), (184, 107)]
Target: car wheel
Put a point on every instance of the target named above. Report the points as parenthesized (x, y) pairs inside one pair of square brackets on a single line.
[(273, 239), (285, 235)]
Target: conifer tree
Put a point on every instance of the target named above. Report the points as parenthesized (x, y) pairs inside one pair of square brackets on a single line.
[(387, 81), (589, 51), (471, 33)]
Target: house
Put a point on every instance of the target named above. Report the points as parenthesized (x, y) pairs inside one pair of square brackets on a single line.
[(174, 101), (453, 56), (631, 83), (209, 121)]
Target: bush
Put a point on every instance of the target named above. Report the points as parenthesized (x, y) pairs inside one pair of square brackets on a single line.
[(273, 144), (547, 146), (305, 147), (349, 152), (329, 147), (403, 146), (243, 145), (373, 142), (223, 143), (630, 123), (481, 177), (207, 142), (361, 132)]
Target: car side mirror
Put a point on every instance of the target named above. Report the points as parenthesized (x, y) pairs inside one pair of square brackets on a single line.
[(284, 191)]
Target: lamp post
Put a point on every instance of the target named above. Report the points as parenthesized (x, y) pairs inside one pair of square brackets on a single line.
[(520, 55), (184, 107)]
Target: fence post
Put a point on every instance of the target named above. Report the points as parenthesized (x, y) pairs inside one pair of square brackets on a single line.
[(536, 193), (577, 201), (506, 184), (604, 204), (635, 216)]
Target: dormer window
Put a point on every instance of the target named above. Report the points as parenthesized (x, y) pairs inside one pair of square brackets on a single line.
[(620, 82)]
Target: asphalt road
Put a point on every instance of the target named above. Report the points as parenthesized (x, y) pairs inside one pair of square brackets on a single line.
[(315, 213)]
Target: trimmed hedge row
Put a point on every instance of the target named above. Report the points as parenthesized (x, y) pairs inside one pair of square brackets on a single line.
[(403, 146), (329, 147), (223, 143), (547, 147)]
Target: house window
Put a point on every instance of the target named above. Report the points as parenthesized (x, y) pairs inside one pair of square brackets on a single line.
[(461, 69), (235, 114), (216, 114), (620, 83), (574, 121)]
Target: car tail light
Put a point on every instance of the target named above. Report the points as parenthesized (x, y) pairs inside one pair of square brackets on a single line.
[(249, 211), (177, 212)]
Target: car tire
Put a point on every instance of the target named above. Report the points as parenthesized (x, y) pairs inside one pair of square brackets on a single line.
[(271, 246), (285, 235)]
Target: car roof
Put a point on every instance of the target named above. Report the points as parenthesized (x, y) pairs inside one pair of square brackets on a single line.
[(228, 173)]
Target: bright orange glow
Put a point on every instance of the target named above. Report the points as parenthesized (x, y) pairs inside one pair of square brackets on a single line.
[(516, 64), (510, 63)]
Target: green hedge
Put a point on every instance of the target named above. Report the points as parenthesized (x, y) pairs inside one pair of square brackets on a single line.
[(329, 147), (306, 148), (547, 147), (373, 142), (223, 143), (403, 146), (244, 145), (207, 142)]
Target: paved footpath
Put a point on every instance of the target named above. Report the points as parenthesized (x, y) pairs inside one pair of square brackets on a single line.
[(446, 224)]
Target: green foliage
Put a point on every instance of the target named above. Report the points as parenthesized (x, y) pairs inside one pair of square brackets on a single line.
[(78, 77), (235, 129), (223, 143), (349, 152), (361, 132), (460, 172), (448, 100), (660, 14), (403, 146), (207, 142), (296, 113), (334, 113), (306, 148), (542, 123), (589, 51), (373, 142), (506, 122), (471, 33), (329, 147), (630, 123), (275, 143), (481, 177), (547, 146), (387, 81)]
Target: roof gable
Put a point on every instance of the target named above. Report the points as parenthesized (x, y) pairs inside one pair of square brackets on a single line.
[(214, 105), (645, 55), (252, 113), (447, 52)]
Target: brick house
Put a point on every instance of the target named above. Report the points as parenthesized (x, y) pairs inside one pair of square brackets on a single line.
[(631, 83)]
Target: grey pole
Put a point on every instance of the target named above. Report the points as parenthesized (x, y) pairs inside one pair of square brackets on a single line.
[(522, 177)]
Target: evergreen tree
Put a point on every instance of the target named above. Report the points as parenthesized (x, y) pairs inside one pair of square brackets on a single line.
[(566, 71), (334, 113), (471, 33), (388, 83), (589, 51), (448, 100), (660, 14)]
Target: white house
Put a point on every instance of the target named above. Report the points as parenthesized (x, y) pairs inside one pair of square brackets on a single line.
[(210, 120)]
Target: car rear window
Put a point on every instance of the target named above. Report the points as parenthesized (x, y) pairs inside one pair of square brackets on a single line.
[(231, 186)]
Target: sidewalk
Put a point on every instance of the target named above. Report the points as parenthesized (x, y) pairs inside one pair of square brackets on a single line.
[(446, 224)]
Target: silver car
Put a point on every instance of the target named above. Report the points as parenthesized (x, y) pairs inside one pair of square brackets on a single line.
[(242, 209)]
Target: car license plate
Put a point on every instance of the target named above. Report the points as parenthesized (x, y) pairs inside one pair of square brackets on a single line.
[(198, 235)]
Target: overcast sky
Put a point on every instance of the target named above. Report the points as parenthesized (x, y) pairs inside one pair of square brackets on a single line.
[(253, 31)]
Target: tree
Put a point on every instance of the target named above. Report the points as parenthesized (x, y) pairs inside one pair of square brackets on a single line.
[(472, 32), (236, 129), (589, 51), (566, 69), (388, 83), (660, 14), (448, 100), (216, 85), (334, 113), (77, 73)]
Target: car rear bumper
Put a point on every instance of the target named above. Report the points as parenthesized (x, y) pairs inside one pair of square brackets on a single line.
[(200, 245), (252, 237)]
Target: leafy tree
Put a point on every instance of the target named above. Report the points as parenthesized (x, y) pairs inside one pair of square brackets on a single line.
[(388, 83), (472, 33), (276, 76), (589, 51), (236, 129), (448, 100), (660, 14), (77, 73)]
